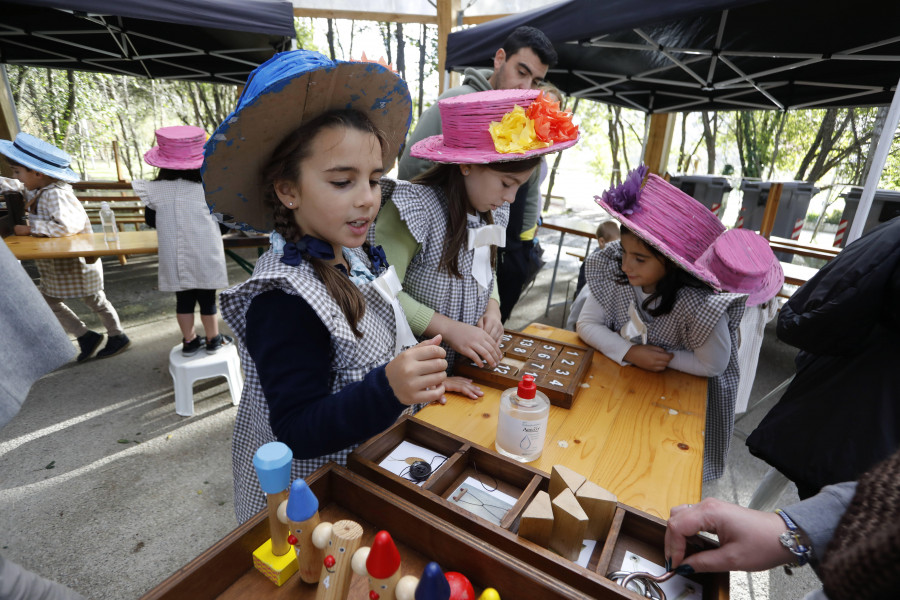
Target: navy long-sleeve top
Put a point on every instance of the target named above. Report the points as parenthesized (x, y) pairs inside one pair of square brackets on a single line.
[(293, 360)]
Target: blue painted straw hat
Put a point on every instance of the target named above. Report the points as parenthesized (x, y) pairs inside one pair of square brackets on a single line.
[(282, 94), (39, 156)]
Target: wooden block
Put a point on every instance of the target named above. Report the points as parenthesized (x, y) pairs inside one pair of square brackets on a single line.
[(571, 353), (536, 365), (562, 362), (544, 356), (570, 524), (546, 348), (277, 569), (554, 382), (562, 478), (600, 507), (506, 369), (536, 523), (519, 351)]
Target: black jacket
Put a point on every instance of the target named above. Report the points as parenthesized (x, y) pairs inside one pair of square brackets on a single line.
[(841, 413)]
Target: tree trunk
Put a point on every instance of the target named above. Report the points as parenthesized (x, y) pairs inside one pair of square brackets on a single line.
[(422, 69), (682, 159), (781, 123), (330, 37), (401, 52), (555, 167), (612, 128), (69, 110), (877, 128), (54, 123), (386, 38), (710, 129)]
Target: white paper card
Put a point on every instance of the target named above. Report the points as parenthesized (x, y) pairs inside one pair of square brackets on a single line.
[(680, 588), (481, 500), (401, 458), (587, 548)]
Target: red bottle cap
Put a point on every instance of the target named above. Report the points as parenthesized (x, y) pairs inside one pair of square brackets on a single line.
[(527, 388)]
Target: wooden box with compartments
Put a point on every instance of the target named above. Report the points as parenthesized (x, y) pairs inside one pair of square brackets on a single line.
[(558, 368), (486, 494), (226, 571)]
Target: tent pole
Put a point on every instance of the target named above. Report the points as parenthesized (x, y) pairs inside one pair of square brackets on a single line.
[(872, 179), (9, 120), (447, 11)]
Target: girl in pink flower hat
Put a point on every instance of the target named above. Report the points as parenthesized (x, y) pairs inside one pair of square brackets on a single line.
[(191, 254), (441, 231), (655, 300)]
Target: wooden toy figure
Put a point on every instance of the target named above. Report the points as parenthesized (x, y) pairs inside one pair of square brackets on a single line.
[(432, 586), (460, 586), (339, 541), (301, 513), (489, 594), (274, 558), (381, 563)]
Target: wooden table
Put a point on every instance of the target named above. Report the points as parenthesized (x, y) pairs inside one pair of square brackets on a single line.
[(82, 245), (789, 246), (564, 225), (635, 433), (797, 274)]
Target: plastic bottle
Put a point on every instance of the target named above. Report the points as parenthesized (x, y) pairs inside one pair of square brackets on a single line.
[(108, 222), (522, 423)]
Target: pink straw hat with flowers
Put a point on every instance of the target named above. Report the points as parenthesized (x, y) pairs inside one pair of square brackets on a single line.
[(690, 235), (179, 147), (498, 126)]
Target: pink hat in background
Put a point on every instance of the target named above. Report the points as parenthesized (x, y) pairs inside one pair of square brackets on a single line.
[(498, 126), (690, 234), (179, 147), (743, 262)]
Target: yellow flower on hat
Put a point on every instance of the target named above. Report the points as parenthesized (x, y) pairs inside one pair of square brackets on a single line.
[(515, 133)]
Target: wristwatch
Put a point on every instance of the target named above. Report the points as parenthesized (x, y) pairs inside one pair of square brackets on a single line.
[(794, 540)]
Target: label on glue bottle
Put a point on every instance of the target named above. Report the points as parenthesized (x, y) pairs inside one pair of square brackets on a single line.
[(522, 422)]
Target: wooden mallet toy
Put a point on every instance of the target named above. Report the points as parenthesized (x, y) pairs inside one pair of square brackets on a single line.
[(339, 543), (301, 513), (274, 558)]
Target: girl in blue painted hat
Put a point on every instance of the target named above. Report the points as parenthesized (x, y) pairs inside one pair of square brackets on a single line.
[(320, 331)]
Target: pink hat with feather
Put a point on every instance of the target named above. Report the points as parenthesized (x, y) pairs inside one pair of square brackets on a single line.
[(690, 235)]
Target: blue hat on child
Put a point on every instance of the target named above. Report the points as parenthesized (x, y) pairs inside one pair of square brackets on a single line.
[(40, 156), (288, 90)]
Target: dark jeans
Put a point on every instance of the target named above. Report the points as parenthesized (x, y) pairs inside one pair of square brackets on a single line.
[(517, 266)]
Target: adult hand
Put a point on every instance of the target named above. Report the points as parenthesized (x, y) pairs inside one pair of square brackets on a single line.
[(490, 320), (748, 539), (464, 386), (22, 230), (417, 375), (650, 358)]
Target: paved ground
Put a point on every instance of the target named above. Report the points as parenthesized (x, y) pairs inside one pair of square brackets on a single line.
[(104, 488)]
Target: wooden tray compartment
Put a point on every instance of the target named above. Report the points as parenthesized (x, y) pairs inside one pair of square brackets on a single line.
[(226, 571), (515, 479), (562, 397)]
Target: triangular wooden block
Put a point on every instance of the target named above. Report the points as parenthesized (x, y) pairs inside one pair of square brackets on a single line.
[(536, 523), (600, 506), (569, 525), (563, 477)]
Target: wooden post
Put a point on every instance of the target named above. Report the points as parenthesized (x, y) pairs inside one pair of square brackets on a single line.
[(659, 138), (119, 170), (342, 544), (768, 220), (447, 11)]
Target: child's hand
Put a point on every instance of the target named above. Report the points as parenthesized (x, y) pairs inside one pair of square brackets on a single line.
[(417, 375), (490, 321), (473, 342), (22, 230), (651, 358), (464, 386)]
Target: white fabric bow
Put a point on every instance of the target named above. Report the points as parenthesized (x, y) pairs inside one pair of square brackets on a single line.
[(635, 330), (481, 239), (388, 286)]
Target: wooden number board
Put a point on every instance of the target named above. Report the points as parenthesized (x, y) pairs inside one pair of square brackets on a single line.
[(558, 368)]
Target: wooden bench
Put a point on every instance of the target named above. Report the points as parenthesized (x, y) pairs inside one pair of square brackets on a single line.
[(129, 210)]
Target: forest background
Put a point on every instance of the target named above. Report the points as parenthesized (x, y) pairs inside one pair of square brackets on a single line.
[(88, 114)]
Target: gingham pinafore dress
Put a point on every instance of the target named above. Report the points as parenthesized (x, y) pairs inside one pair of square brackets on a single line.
[(424, 210), (686, 327), (351, 359)]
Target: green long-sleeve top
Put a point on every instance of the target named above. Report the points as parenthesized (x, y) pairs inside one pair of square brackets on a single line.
[(399, 245)]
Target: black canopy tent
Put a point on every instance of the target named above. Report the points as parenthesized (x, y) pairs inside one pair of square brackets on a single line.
[(669, 56), (217, 41), (662, 56)]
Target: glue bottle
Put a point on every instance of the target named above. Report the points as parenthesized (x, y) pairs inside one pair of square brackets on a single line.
[(108, 222), (522, 423)]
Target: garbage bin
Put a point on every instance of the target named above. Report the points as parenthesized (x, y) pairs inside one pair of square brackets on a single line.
[(792, 207), (709, 190), (885, 206)]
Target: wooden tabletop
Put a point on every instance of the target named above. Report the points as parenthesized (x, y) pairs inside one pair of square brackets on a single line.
[(84, 244), (572, 225), (637, 434), (797, 274)]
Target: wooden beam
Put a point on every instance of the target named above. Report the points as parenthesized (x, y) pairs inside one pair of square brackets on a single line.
[(447, 10), (659, 139), (364, 15), (768, 220), (9, 124)]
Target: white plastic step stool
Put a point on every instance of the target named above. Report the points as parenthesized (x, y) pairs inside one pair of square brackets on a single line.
[(185, 370)]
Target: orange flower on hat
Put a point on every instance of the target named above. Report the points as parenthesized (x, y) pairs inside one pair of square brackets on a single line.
[(550, 123), (515, 133)]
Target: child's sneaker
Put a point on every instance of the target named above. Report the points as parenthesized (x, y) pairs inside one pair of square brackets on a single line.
[(114, 345), (192, 347), (88, 343), (216, 343)]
